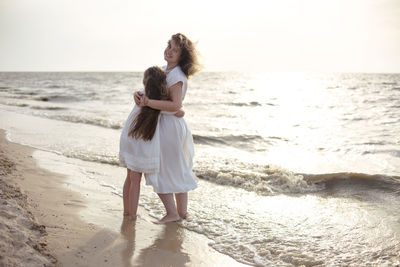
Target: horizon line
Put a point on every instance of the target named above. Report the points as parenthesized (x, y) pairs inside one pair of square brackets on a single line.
[(205, 71)]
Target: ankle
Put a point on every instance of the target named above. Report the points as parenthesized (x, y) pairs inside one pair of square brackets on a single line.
[(172, 214)]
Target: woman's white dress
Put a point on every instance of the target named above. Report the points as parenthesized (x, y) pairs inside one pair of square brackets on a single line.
[(167, 159)]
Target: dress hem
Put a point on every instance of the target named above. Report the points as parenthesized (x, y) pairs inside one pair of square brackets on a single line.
[(175, 192)]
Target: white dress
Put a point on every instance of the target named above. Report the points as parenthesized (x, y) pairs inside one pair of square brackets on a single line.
[(136, 154), (167, 159), (176, 149)]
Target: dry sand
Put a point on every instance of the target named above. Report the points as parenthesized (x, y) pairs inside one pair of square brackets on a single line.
[(41, 226), (22, 239)]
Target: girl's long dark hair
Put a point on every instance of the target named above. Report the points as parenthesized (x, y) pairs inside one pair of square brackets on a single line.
[(145, 123)]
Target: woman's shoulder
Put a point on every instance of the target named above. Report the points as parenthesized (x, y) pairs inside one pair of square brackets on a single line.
[(177, 74)]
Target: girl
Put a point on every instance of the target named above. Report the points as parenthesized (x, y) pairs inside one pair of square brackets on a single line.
[(139, 142)]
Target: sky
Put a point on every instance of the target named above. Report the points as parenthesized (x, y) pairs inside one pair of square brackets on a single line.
[(251, 35)]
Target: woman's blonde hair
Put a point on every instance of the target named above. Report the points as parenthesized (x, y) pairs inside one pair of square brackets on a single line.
[(188, 60), (145, 123)]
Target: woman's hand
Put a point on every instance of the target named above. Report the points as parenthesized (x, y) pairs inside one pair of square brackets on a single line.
[(180, 113), (144, 100), (137, 96)]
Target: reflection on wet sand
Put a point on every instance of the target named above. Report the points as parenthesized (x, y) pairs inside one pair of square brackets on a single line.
[(128, 232), (166, 249)]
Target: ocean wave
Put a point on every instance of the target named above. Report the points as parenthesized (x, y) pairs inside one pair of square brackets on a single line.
[(207, 140), (56, 98), (247, 104), (275, 180), (106, 159), (92, 121), (17, 92), (48, 107), (381, 179), (243, 104), (263, 179), (18, 104), (48, 95), (391, 152), (106, 123), (231, 140), (10, 96), (54, 86), (374, 143), (27, 93), (14, 104)]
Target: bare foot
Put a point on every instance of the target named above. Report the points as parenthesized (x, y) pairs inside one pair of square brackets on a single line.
[(183, 216), (169, 218)]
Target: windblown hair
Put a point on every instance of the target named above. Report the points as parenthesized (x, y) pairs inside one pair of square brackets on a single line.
[(188, 60), (145, 123)]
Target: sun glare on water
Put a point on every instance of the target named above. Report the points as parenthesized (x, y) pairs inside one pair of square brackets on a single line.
[(288, 104)]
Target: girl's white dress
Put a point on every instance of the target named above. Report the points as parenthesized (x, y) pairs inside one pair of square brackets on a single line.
[(167, 159), (137, 154)]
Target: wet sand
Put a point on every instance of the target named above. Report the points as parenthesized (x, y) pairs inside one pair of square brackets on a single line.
[(45, 216)]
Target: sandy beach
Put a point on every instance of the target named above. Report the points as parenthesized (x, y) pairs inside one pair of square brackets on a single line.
[(23, 239), (40, 225)]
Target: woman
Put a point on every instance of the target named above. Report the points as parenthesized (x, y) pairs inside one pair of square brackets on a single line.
[(139, 150), (176, 142)]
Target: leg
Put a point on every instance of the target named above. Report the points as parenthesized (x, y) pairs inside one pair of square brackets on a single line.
[(169, 204), (134, 192), (125, 193), (181, 203)]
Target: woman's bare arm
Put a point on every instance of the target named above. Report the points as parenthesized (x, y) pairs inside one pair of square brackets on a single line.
[(172, 105)]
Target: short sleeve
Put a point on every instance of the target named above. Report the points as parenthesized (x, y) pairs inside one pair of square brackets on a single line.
[(176, 76)]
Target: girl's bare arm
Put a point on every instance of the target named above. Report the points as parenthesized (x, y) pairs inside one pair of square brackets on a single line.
[(180, 113)]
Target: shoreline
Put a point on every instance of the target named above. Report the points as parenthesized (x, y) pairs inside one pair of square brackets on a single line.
[(69, 240), (39, 186)]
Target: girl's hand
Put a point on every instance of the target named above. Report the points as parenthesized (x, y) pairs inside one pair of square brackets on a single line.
[(180, 113), (137, 96)]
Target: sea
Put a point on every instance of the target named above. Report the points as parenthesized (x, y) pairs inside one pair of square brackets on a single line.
[(293, 168)]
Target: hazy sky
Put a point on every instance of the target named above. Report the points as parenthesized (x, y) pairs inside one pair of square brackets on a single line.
[(251, 35)]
